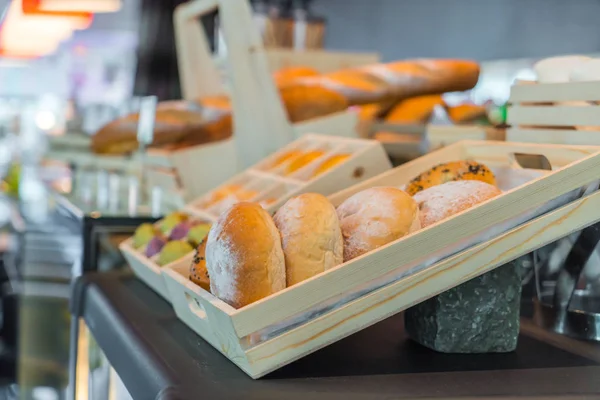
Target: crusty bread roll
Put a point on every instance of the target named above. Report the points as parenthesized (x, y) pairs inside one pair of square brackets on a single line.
[(375, 217), (440, 202), (244, 257), (416, 110), (310, 236), (198, 271), (465, 113), (451, 171)]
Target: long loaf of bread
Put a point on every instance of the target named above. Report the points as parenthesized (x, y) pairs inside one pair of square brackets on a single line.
[(308, 96), (177, 124)]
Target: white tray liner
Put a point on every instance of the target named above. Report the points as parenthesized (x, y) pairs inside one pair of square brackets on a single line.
[(507, 179)]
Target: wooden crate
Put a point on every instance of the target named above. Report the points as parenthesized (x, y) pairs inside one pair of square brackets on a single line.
[(273, 187), (408, 141), (557, 113), (366, 160), (297, 321)]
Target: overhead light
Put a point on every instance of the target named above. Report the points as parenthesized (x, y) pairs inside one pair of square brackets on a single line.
[(80, 20), (93, 6), (34, 35)]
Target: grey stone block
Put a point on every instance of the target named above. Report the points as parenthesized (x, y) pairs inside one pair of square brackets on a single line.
[(478, 316)]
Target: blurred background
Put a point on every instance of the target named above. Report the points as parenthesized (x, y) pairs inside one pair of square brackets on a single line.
[(75, 65)]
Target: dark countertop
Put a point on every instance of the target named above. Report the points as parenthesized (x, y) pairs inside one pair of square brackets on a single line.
[(157, 356)]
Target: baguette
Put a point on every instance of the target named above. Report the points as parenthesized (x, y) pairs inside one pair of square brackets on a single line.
[(178, 123)]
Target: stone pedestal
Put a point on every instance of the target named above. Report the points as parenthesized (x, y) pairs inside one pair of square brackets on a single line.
[(478, 316)]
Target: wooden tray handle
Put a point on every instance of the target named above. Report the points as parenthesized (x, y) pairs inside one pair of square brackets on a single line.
[(196, 307)]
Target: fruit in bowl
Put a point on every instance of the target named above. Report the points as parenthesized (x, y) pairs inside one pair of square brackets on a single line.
[(173, 251)]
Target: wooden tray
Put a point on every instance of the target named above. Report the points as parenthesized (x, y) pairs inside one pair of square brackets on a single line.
[(408, 141), (558, 113), (272, 187), (299, 320), (366, 160)]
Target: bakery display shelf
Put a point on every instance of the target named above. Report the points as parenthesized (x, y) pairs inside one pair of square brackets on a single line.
[(261, 127), (156, 356), (268, 186), (538, 208), (558, 113)]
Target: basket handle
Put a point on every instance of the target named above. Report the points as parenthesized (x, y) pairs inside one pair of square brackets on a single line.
[(531, 161), (196, 307), (250, 75)]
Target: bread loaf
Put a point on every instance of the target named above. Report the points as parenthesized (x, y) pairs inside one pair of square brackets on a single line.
[(442, 201), (244, 258), (376, 84), (310, 236), (375, 217), (451, 171), (177, 122), (287, 75)]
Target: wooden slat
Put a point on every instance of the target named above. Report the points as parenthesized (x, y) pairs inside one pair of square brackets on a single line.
[(555, 136), (555, 92), (494, 153), (346, 277), (322, 61), (415, 288), (554, 115)]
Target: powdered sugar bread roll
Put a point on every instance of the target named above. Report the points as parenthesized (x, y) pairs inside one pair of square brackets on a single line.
[(244, 258), (311, 236), (440, 202), (375, 217)]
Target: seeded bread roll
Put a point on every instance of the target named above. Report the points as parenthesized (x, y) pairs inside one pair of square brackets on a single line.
[(451, 171), (310, 236), (198, 271), (244, 257), (375, 217), (442, 201)]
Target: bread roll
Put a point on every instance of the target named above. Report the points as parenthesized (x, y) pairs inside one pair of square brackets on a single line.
[(310, 236), (330, 163), (375, 217), (198, 271), (440, 202), (303, 160), (244, 257), (466, 113), (451, 171), (416, 110)]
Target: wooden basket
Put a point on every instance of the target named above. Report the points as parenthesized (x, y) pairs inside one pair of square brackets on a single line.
[(290, 324), (557, 113), (366, 160), (261, 127)]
